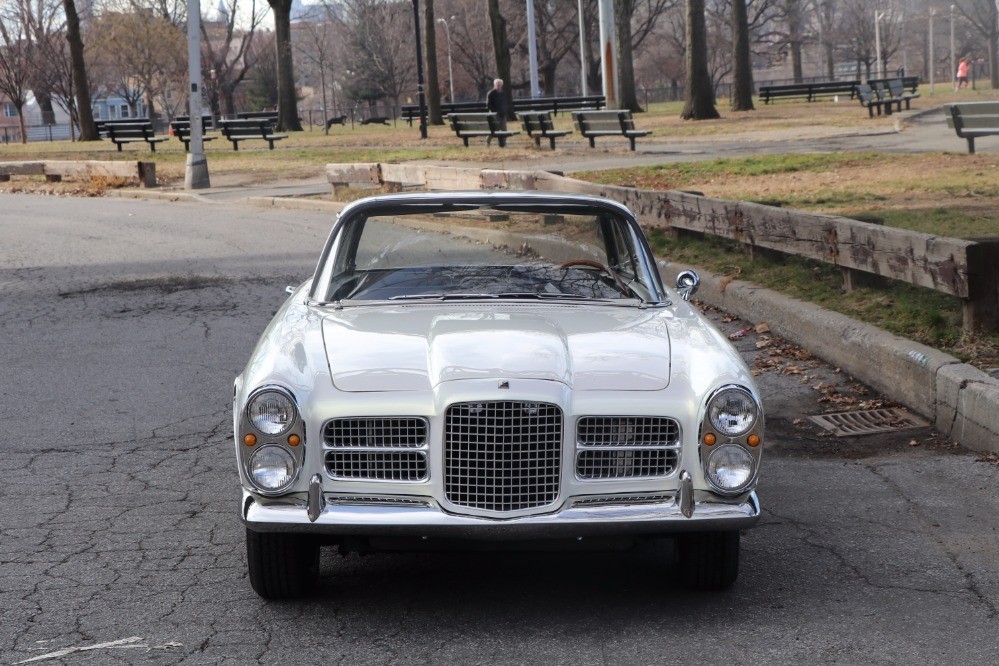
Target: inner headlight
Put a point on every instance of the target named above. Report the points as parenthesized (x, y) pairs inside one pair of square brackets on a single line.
[(733, 412), (730, 467), (271, 412), (272, 468)]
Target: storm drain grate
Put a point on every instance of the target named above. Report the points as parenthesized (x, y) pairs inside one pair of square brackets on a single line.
[(847, 424)]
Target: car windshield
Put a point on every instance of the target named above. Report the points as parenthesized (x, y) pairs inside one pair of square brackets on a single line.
[(488, 252)]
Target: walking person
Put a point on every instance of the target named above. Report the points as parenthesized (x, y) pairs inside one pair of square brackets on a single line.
[(496, 103), (961, 80)]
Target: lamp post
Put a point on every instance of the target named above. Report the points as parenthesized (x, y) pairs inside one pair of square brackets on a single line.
[(877, 43), (532, 49), (933, 62), (952, 65), (450, 71), (196, 169), (419, 70), (582, 51)]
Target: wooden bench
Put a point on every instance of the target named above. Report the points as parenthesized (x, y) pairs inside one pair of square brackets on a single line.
[(242, 129), (971, 120), (468, 125), (538, 125), (810, 91), (897, 91), (592, 124), (909, 83), (136, 130), (870, 101), (181, 128)]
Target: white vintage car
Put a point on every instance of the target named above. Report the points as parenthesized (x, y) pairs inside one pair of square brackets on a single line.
[(482, 366)]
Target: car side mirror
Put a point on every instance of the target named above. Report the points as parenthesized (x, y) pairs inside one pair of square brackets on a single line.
[(687, 283)]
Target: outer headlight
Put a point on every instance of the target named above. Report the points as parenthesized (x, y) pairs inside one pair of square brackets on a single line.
[(272, 468), (733, 412), (730, 467), (271, 412)]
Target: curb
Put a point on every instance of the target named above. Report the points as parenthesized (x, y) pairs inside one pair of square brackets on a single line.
[(961, 401)]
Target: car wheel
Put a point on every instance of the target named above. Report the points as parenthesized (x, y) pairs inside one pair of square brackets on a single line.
[(707, 560), (282, 566)]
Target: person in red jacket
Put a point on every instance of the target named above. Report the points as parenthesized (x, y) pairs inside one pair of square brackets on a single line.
[(961, 80)]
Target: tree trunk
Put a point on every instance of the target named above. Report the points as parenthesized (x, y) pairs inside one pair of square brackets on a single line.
[(501, 49), (993, 48), (624, 10), (699, 96), (433, 83), (88, 130), (742, 76), (830, 63), (794, 38), (287, 103), (44, 99), (20, 122)]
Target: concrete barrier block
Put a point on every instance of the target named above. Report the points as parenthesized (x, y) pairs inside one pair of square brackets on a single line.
[(341, 174), (967, 407)]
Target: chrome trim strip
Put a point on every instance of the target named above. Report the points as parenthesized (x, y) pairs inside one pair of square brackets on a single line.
[(685, 500), (316, 500), (290, 515)]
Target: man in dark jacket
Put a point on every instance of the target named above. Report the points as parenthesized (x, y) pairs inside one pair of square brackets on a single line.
[(496, 102)]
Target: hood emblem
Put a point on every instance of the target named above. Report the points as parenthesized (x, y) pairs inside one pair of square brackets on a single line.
[(504, 384)]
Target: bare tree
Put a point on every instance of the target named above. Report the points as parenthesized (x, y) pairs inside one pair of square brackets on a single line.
[(634, 21), (699, 97), (317, 45), (742, 79), (227, 53), (433, 89), (376, 68), (80, 84), (501, 49), (558, 34), (15, 66), (981, 14), (469, 32), (288, 120)]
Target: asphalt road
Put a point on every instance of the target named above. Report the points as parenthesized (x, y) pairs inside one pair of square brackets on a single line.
[(122, 325)]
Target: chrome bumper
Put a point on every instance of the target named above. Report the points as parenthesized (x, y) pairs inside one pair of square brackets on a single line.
[(428, 519)]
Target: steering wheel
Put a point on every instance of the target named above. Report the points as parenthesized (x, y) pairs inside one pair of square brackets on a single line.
[(592, 263)]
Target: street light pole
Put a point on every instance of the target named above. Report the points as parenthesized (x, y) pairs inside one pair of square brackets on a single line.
[(419, 71), (877, 43), (532, 49), (196, 169), (450, 71), (933, 61), (952, 65), (582, 51)]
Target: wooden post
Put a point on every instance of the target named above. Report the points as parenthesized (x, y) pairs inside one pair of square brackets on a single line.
[(147, 174), (981, 307)]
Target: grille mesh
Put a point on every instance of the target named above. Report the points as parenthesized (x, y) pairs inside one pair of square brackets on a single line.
[(378, 465), (379, 431), (624, 447), (377, 448), (503, 455)]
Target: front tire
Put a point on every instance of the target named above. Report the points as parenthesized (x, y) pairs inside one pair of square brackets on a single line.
[(282, 566), (707, 560)]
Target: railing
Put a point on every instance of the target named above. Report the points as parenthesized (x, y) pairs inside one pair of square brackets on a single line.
[(963, 268)]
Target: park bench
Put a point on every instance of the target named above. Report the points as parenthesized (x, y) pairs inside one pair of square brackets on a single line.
[(870, 101), (242, 129), (897, 91), (909, 83), (135, 130), (258, 115), (557, 104), (971, 120), (592, 124), (468, 125), (809, 91), (538, 125), (181, 128)]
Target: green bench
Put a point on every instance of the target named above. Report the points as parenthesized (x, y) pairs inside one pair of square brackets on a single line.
[(243, 129), (468, 125), (592, 124), (538, 125), (120, 132), (971, 120)]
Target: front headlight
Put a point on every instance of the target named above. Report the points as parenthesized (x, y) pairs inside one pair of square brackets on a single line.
[(271, 412), (730, 467), (733, 412), (272, 468)]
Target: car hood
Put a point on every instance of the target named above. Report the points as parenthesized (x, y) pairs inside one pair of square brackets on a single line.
[(415, 348)]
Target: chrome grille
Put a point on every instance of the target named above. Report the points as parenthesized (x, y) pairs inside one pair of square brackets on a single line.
[(381, 448), (403, 432), (503, 455), (615, 500), (377, 465), (625, 447)]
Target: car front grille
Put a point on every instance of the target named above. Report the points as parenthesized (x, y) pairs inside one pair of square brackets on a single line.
[(502, 455), (624, 447), (383, 448)]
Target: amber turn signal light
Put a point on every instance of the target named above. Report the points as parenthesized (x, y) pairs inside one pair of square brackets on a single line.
[(709, 439), (753, 440), (294, 440), (249, 439)]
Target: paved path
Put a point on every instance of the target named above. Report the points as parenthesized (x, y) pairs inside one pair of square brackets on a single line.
[(122, 325)]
